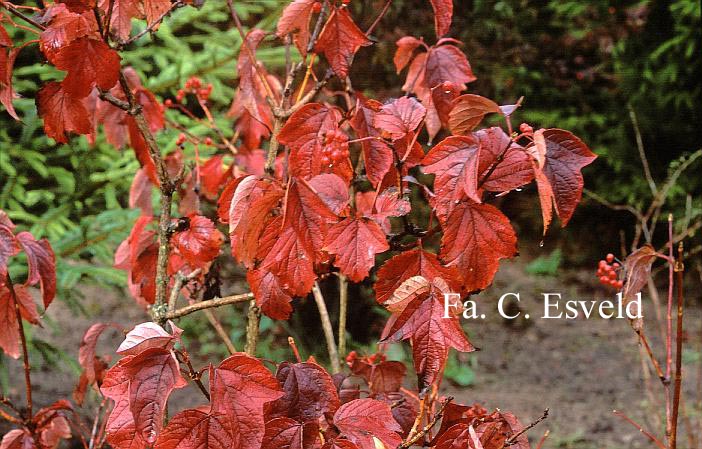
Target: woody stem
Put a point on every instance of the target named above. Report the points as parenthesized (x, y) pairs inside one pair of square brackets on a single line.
[(25, 354)]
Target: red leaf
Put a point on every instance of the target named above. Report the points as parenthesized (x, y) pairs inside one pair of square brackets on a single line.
[(7, 94), (195, 429), (122, 13), (271, 297), (154, 9), (454, 161), (337, 443), (213, 176), (514, 168), (459, 436), (442, 98), (363, 420), (638, 270), (86, 353), (62, 112), (332, 190), (9, 332), (423, 321), (415, 262), (468, 111), (355, 241), (120, 429), (405, 50), (89, 62), (339, 41), (309, 392), (42, 265), (153, 375), (65, 27), (295, 20), (252, 92), (286, 433), (146, 336), (399, 117), (377, 155), (443, 14), (143, 273), (381, 208), (199, 244), (28, 310), (560, 181), (9, 246), (476, 237), (240, 387), (447, 63), (17, 439), (140, 193), (304, 133)]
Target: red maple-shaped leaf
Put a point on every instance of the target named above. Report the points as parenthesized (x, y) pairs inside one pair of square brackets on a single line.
[(42, 265), (405, 50), (399, 117), (559, 178), (89, 62), (62, 112), (423, 320), (503, 165), (153, 375), (196, 429), (332, 190), (295, 20), (377, 155), (364, 420), (309, 392), (339, 41), (356, 241), (443, 15), (446, 63), (120, 428), (476, 236), (286, 433), (270, 294), (200, 243), (454, 161), (65, 26), (414, 262), (240, 387), (304, 133), (146, 336), (468, 111)]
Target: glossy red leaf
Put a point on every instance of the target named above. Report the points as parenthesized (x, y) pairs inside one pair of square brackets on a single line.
[(304, 133), (195, 429), (504, 165), (468, 111), (143, 273), (476, 236), (332, 190), (89, 62), (146, 336), (560, 181), (86, 353), (62, 112), (153, 375), (405, 50), (295, 20), (200, 243), (363, 420), (431, 334), (459, 436), (65, 26), (339, 41), (42, 265), (377, 155), (120, 428), (399, 117), (240, 387), (414, 262), (309, 392), (442, 98), (454, 161), (446, 63), (271, 297), (286, 433), (355, 241), (443, 14), (381, 207)]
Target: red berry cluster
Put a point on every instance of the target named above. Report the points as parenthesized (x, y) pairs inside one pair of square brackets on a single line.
[(193, 85), (607, 272), (336, 147), (372, 359), (526, 128)]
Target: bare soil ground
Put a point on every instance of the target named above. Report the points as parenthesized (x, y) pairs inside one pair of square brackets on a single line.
[(580, 369)]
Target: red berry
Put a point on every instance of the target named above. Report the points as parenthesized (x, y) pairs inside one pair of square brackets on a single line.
[(181, 139), (612, 275), (610, 258), (168, 103), (602, 264), (351, 357), (604, 280), (317, 7), (619, 284), (615, 265), (325, 160), (336, 155), (208, 141), (345, 2), (203, 93)]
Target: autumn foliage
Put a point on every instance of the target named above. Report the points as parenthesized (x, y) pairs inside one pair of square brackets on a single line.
[(319, 184)]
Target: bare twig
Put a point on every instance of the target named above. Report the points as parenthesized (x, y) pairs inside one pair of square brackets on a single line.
[(219, 329), (513, 439), (153, 24), (327, 328), (679, 270), (23, 341), (379, 18), (643, 431), (642, 153), (343, 308), (254, 317), (210, 303), (16, 12), (417, 436), (180, 280)]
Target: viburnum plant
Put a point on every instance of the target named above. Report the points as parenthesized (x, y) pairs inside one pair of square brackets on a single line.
[(319, 184)]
